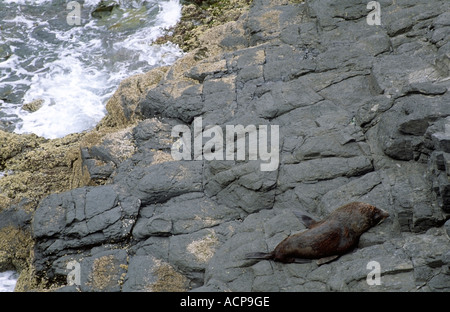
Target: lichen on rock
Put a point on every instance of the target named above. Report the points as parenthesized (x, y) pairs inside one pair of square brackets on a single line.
[(203, 249)]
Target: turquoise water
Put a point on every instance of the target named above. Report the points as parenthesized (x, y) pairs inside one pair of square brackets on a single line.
[(74, 69)]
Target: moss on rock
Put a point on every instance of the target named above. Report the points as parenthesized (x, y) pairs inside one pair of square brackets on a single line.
[(15, 248), (34, 166), (121, 106), (199, 16), (16, 253), (168, 279)]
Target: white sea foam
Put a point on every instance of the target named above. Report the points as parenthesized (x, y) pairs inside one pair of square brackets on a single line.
[(91, 2), (77, 84), (171, 11), (34, 2), (22, 20), (72, 95), (8, 281)]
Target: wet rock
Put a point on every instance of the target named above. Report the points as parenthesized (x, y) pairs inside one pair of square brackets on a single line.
[(82, 217), (33, 106), (104, 8), (180, 215)]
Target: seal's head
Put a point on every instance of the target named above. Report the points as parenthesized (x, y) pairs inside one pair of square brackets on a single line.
[(376, 215), (360, 216), (372, 215)]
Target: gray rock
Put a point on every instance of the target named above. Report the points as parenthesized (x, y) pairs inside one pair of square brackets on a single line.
[(240, 185), (368, 113), (323, 169), (50, 217), (401, 129), (393, 73), (181, 215), (330, 13), (97, 172), (286, 63), (363, 116), (447, 229), (82, 217), (162, 181), (279, 98), (349, 92), (439, 173)]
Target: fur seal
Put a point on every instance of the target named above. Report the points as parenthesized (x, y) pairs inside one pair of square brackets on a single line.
[(326, 239)]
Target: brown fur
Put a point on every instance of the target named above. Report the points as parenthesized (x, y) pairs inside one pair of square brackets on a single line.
[(333, 236)]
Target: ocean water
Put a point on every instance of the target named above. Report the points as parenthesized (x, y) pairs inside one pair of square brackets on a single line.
[(74, 69), (8, 281)]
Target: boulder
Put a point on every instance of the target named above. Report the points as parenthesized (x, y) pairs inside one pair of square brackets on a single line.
[(104, 8)]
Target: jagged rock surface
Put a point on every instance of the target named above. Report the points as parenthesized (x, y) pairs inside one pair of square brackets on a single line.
[(363, 114)]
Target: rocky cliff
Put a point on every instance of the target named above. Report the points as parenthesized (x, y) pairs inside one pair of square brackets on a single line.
[(363, 113)]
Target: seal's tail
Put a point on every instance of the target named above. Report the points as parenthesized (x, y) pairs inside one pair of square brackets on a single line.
[(259, 255)]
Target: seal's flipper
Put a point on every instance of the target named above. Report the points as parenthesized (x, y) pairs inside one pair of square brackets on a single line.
[(298, 260), (326, 259), (307, 221), (259, 255)]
